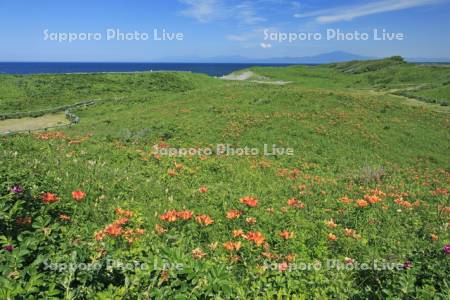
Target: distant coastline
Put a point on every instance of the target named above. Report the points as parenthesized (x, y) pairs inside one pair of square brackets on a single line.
[(211, 69)]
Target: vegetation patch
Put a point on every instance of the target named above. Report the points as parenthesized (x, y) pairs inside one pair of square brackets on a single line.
[(98, 211)]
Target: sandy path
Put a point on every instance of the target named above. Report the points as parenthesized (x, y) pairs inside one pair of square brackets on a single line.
[(243, 76), (33, 123), (249, 74)]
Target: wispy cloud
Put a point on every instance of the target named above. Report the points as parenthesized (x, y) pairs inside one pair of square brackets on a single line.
[(253, 38), (203, 10), (206, 11), (351, 12), (256, 34), (247, 14)]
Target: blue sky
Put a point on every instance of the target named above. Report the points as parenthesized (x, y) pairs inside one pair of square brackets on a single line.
[(219, 28)]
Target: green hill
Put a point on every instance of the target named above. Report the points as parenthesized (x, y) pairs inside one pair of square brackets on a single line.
[(367, 184)]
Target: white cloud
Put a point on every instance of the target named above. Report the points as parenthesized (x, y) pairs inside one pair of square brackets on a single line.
[(246, 13), (254, 36), (210, 10), (202, 10), (351, 12), (265, 46)]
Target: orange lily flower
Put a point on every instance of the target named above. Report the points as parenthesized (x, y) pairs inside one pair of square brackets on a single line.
[(249, 201), (78, 195), (49, 198), (233, 214), (331, 237), (286, 235), (362, 203), (204, 219), (255, 237)]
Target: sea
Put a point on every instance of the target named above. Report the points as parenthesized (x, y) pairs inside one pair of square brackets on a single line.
[(212, 69)]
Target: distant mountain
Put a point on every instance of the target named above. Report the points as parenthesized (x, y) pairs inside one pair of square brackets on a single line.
[(336, 56), (325, 58)]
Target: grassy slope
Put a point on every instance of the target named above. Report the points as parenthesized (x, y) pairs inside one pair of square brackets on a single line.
[(34, 92), (336, 129), (429, 83)]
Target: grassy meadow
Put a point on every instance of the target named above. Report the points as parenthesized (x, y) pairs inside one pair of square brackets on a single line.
[(359, 211)]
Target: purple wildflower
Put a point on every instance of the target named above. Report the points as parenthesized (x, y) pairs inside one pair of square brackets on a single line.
[(9, 248), (407, 265), (446, 249), (16, 189)]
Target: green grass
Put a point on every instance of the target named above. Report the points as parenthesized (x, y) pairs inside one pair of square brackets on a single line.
[(33, 92), (348, 140)]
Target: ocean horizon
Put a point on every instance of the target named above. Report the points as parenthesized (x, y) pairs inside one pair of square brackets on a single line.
[(211, 69)]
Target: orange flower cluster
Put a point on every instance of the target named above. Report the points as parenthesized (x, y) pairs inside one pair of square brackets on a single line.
[(295, 203), (403, 203), (377, 192), (116, 228), (173, 215), (51, 135), (439, 191), (178, 166), (233, 214), (198, 253), (362, 203), (49, 198), (286, 235), (121, 221), (372, 199), (349, 232), (374, 196), (238, 233), (64, 218), (331, 237), (250, 220), (330, 224), (80, 139), (203, 189), (78, 195), (122, 212), (204, 220), (269, 255), (292, 174), (249, 201), (290, 257), (346, 200), (159, 229), (162, 145), (232, 246), (112, 230), (256, 237), (131, 235)]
